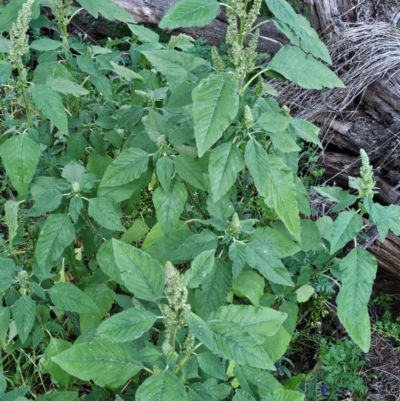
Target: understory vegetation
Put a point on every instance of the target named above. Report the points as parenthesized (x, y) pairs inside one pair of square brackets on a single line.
[(157, 236)]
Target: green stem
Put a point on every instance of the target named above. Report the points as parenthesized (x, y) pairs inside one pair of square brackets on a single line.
[(254, 77), (260, 24), (202, 212)]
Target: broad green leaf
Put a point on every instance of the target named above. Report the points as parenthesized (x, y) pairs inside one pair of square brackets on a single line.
[(141, 274), (305, 130), (297, 29), (106, 260), (112, 11), (241, 395), (190, 170), (176, 66), (144, 34), (394, 218), (337, 195), (90, 5), (15, 395), (102, 210), (214, 289), (200, 329), (346, 226), (238, 256), (233, 343), (215, 105), (280, 242), (257, 161), (273, 122), (59, 396), (303, 69), (136, 232), (358, 274), (5, 71), (212, 365), (276, 346), (68, 297), (310, 237), (44, 95), (249, 284), (11, 218), (87, 65), (304, 293), (75, 207), (57, 233), (105, 362), (284, 395), (127, 325), (226, 161), (254, 380), (283, 142), (260, 322), (261, 256), (45, 44), (165, 171), (20, 156), (169, 205), (156, 124), (4, 323), (24, 311), (221, 210), (103, 86), (126, 73), (45, 203), (163, 386), (201, 266), (103, 298), (128, 166), (66, 86), (280, 194), (196, 244), (379, 216), (190, 13), (55, 347), (9, 14), (44, 71)]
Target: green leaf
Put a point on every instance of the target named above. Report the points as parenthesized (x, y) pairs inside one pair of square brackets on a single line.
[(144, 34), (249, 284), (261, 256), (44, 95), (68, 297), (238, 256), (66, 87), (358, 274), (280, 193), (257, 161), (163, 386), (200, 329), (127, 325), (24, 311), (196, 244), (305, 130), (20, 156), (9, 14), (304, 293), (106, 260), (176, 66), (310, 237), (141, 274), (5, 71), (165, 171), (103, 298), (225, 163), (136, 232), (105, 362), (57, 233), (379, 216), (273, 122), (337, 195), (394, 218), (346, 226), (75, 207), (4, 323), (169, 205), (45, 44), (11, 218), (241, 395), (59, 396), (128, 166), (190, 13), (103, 86), (126, 73), (221, 210), (190, 170), (112, 11), (284, 395), (201, 266), (215, 105), (55, 347), (44, 71), (90, 5), (214, 290), (303, 69), (102, 210), (47, 202), (259, 322), (233, 343), (212, 365)]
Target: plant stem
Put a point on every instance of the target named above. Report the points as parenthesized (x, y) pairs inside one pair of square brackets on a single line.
[(253, 78), (202, 212)]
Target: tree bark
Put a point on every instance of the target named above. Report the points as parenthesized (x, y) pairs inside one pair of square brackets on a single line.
[(363, 40)]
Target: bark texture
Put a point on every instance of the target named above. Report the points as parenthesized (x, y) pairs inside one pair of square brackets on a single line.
[(363, 41)]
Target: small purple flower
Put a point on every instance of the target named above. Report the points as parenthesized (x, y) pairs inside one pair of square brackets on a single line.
[(277, 368), (324, 390)]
